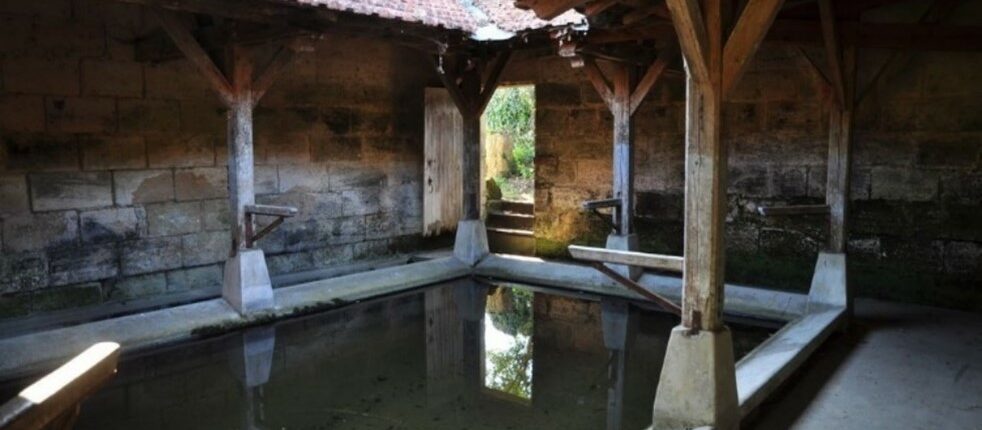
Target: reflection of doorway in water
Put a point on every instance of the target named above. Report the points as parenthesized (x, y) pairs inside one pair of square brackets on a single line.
[(508, 342)]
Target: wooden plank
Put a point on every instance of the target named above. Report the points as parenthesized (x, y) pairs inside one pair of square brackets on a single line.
[(745, 39), (793, 210), (57, 395), (268, 210), (185, 41), (687, 17), (652, 76), (668, 263), (599, 81), (442, 145), (833, 54), (601, 204), (281, 59)]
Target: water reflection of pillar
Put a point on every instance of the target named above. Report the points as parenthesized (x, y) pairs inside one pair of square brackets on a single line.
[(472, 299), (454, 338), (617, 323), (252, 364)]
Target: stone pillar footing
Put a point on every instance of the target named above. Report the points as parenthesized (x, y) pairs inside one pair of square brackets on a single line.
[(829, 283), (624, 243), (697, 387), (471, 244), (247, 287)]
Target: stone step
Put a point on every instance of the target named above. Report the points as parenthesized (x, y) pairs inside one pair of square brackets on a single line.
[(508, 206), (510, 220), (511, 241)]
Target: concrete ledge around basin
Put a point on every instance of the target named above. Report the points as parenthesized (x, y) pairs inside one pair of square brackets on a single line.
[(740, 300), (765, 368), (34, 352)]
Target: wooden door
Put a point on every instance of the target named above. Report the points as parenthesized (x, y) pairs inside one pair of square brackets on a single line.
[(442, 189)]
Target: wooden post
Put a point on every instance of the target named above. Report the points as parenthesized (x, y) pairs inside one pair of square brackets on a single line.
[(240, 146), (471, 168), (699, 360), (623, 151), (246, 284), (705, 187), (840, 142), (471, 90)]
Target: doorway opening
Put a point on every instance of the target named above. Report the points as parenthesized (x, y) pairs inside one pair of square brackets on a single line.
[(508, 161)]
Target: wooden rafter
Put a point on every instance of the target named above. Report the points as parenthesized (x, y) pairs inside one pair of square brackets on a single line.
[(281, 59), (651, 77), (491, 81), (599, 81), (749, 32)]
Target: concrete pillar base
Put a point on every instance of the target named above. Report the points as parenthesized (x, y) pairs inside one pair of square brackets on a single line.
[(624, 243), (829, 283), (697, 387), (471, 244), (247, 287)]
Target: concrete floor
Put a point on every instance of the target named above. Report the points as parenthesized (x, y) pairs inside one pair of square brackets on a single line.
[(898, 367)]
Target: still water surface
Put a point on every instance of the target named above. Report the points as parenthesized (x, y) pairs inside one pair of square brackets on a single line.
[(455, 356)]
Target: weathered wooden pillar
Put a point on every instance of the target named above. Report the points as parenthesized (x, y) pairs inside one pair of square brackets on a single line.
[(471, 168), (471, 89), (623, 97), (699, 361), (623, 151), (830, 283), (246, 285)]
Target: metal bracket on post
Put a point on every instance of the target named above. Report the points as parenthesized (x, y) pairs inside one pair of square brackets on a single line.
[(594, 206), (251, 211)]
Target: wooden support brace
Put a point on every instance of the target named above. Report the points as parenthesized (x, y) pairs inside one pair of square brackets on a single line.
[(178, 30), (665, 303), (599, 82), (651, 77), (693, 36), (251, 211), (751, 27), (833, 53), (281, 59)]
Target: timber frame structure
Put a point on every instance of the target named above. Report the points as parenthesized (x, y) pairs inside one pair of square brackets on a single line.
[(709, 42)]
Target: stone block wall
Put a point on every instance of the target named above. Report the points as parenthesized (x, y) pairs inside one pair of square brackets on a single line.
[(113, 179), (917, 172)]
